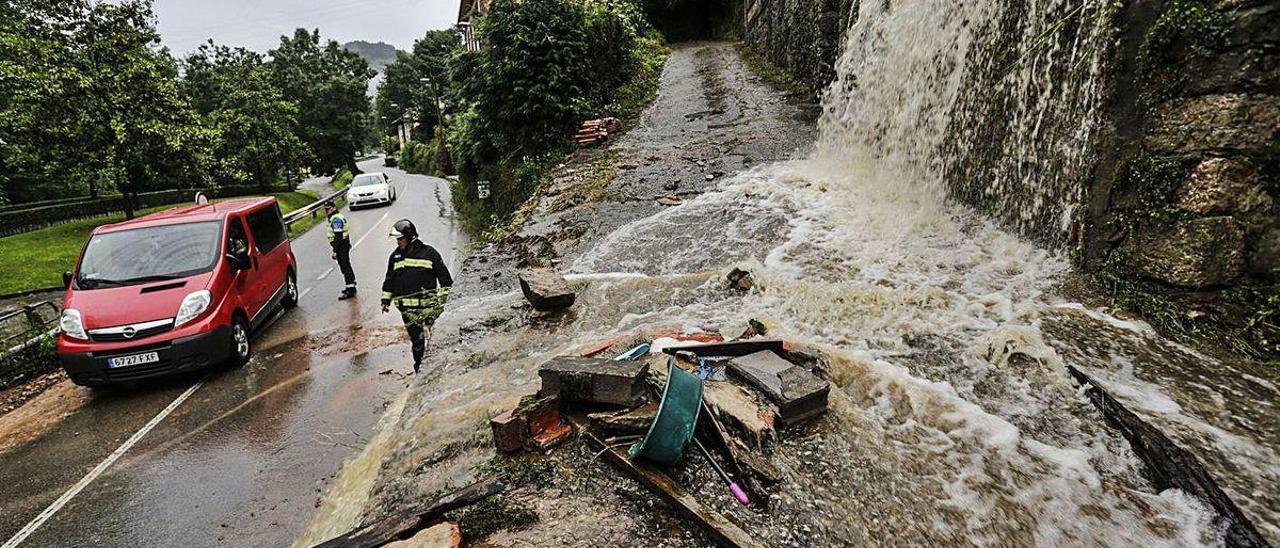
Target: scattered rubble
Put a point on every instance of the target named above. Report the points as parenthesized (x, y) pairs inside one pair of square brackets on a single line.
[(670, 200), (594, 132), (740, 279), (546, 289), (535, 425), (799, 394), (594, 380), (441, 535)]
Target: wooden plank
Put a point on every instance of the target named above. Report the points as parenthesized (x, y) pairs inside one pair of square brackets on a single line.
[(728, 349), (724, 532)]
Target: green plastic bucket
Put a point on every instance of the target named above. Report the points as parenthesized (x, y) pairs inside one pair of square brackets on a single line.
[(677, 416)]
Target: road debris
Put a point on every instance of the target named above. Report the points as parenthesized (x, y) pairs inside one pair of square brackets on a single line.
[(546, 289), (798, 393), (724, 532), (534, 425), (740, 279), (406, 524), (670, 200), (730, 349), (594, 380), (440, 535)]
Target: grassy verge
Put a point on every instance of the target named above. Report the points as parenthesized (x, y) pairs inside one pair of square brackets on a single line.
[(37, 259)]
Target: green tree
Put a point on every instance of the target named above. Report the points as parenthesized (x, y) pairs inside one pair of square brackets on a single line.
[(418, 83), (90, 96), (253, 128), (328, 86)]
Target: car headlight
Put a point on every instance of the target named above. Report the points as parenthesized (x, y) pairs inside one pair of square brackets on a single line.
[(193, 305), (73, 325)]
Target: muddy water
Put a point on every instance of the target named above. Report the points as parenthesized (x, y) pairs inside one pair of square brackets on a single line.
[(953, 418)]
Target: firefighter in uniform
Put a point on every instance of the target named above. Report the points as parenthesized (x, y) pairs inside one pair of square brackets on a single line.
[(340, 240), (417, 284)]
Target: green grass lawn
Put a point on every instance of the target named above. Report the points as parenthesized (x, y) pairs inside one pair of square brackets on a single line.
[(37, 259)]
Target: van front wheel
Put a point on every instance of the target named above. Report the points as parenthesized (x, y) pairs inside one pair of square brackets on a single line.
[(290, 291), (241, 350)]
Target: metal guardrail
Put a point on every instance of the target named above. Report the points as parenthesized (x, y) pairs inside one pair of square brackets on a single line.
[(36, 326), (297, 215)]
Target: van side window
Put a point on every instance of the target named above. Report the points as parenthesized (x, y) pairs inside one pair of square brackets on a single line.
[(267, 228), (237, 239)]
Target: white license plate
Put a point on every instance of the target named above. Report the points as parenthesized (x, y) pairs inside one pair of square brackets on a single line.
[(136, 359)]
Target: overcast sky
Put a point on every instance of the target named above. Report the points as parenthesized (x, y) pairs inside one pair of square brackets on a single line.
[(258, 24)]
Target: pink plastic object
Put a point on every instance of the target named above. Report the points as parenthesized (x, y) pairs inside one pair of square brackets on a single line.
[(739, 494)]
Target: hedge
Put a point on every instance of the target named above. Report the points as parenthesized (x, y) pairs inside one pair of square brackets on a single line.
[(26, 220)]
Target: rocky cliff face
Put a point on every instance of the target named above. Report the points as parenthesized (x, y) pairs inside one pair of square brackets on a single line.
[(1169, 189), (1183, 203), (802, 36)]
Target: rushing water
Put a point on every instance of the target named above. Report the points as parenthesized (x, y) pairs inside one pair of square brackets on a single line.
[(952, 416)]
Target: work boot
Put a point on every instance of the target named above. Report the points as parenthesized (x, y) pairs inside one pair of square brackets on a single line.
[(417, 368), (347, 294)]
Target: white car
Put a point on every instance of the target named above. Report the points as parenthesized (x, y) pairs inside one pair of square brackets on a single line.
[(371, 189)]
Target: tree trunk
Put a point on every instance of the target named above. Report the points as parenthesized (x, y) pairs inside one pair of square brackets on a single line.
[(351, 165), (131, 176)]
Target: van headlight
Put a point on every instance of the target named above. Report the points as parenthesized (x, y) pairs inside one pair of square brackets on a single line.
[(72, 324), (193, 305)]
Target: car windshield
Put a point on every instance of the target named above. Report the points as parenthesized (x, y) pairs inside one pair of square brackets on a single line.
[(151, 254), (366, 180)]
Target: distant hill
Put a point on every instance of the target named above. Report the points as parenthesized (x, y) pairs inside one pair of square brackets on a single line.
[(377, 54)]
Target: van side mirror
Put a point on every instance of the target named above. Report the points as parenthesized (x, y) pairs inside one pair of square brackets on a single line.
[(66, 279)]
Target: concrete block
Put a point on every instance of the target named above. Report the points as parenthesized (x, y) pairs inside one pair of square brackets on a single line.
[(546, 289), (594, 380)]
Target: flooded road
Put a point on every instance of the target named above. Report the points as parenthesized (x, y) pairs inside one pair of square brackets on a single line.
[(954, 417), (242, 459)]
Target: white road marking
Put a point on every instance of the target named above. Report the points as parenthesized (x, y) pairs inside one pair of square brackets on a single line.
[(99, 469), (326, 274), (305, 291), (375, 226)]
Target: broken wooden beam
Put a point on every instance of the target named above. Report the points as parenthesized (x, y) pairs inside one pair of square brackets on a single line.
[(723, 532), (408, 523), (594, 380)]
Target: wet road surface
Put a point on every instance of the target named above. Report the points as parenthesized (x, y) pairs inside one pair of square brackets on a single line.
[(242, 460)]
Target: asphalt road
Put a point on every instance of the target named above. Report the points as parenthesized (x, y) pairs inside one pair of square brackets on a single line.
[(234, 457)]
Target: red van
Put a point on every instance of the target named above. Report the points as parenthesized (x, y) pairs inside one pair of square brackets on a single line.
[(175, 291)]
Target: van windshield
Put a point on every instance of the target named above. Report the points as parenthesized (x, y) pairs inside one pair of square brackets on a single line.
[(150, 254)]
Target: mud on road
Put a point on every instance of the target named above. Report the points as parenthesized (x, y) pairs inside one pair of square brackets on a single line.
[(712, 117)]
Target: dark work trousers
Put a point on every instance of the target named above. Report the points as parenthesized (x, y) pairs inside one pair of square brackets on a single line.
[(417, 335), (342, 248)]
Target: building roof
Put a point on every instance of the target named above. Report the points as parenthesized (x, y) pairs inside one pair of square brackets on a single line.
[(211, 211)]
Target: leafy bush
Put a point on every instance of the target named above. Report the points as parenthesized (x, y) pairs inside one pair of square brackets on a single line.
[(546, 66), (29, 362), (25, 220)]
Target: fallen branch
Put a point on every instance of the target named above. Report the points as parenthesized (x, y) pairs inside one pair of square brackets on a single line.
[(405, 525)]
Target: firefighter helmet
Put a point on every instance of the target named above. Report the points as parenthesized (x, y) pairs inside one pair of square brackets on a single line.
[(404, 228)]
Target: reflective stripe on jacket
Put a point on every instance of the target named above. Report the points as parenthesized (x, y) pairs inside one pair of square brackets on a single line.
[(413, 276)]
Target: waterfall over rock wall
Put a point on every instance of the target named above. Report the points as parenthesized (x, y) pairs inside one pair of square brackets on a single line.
[(1143, 136), (993, 102)]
